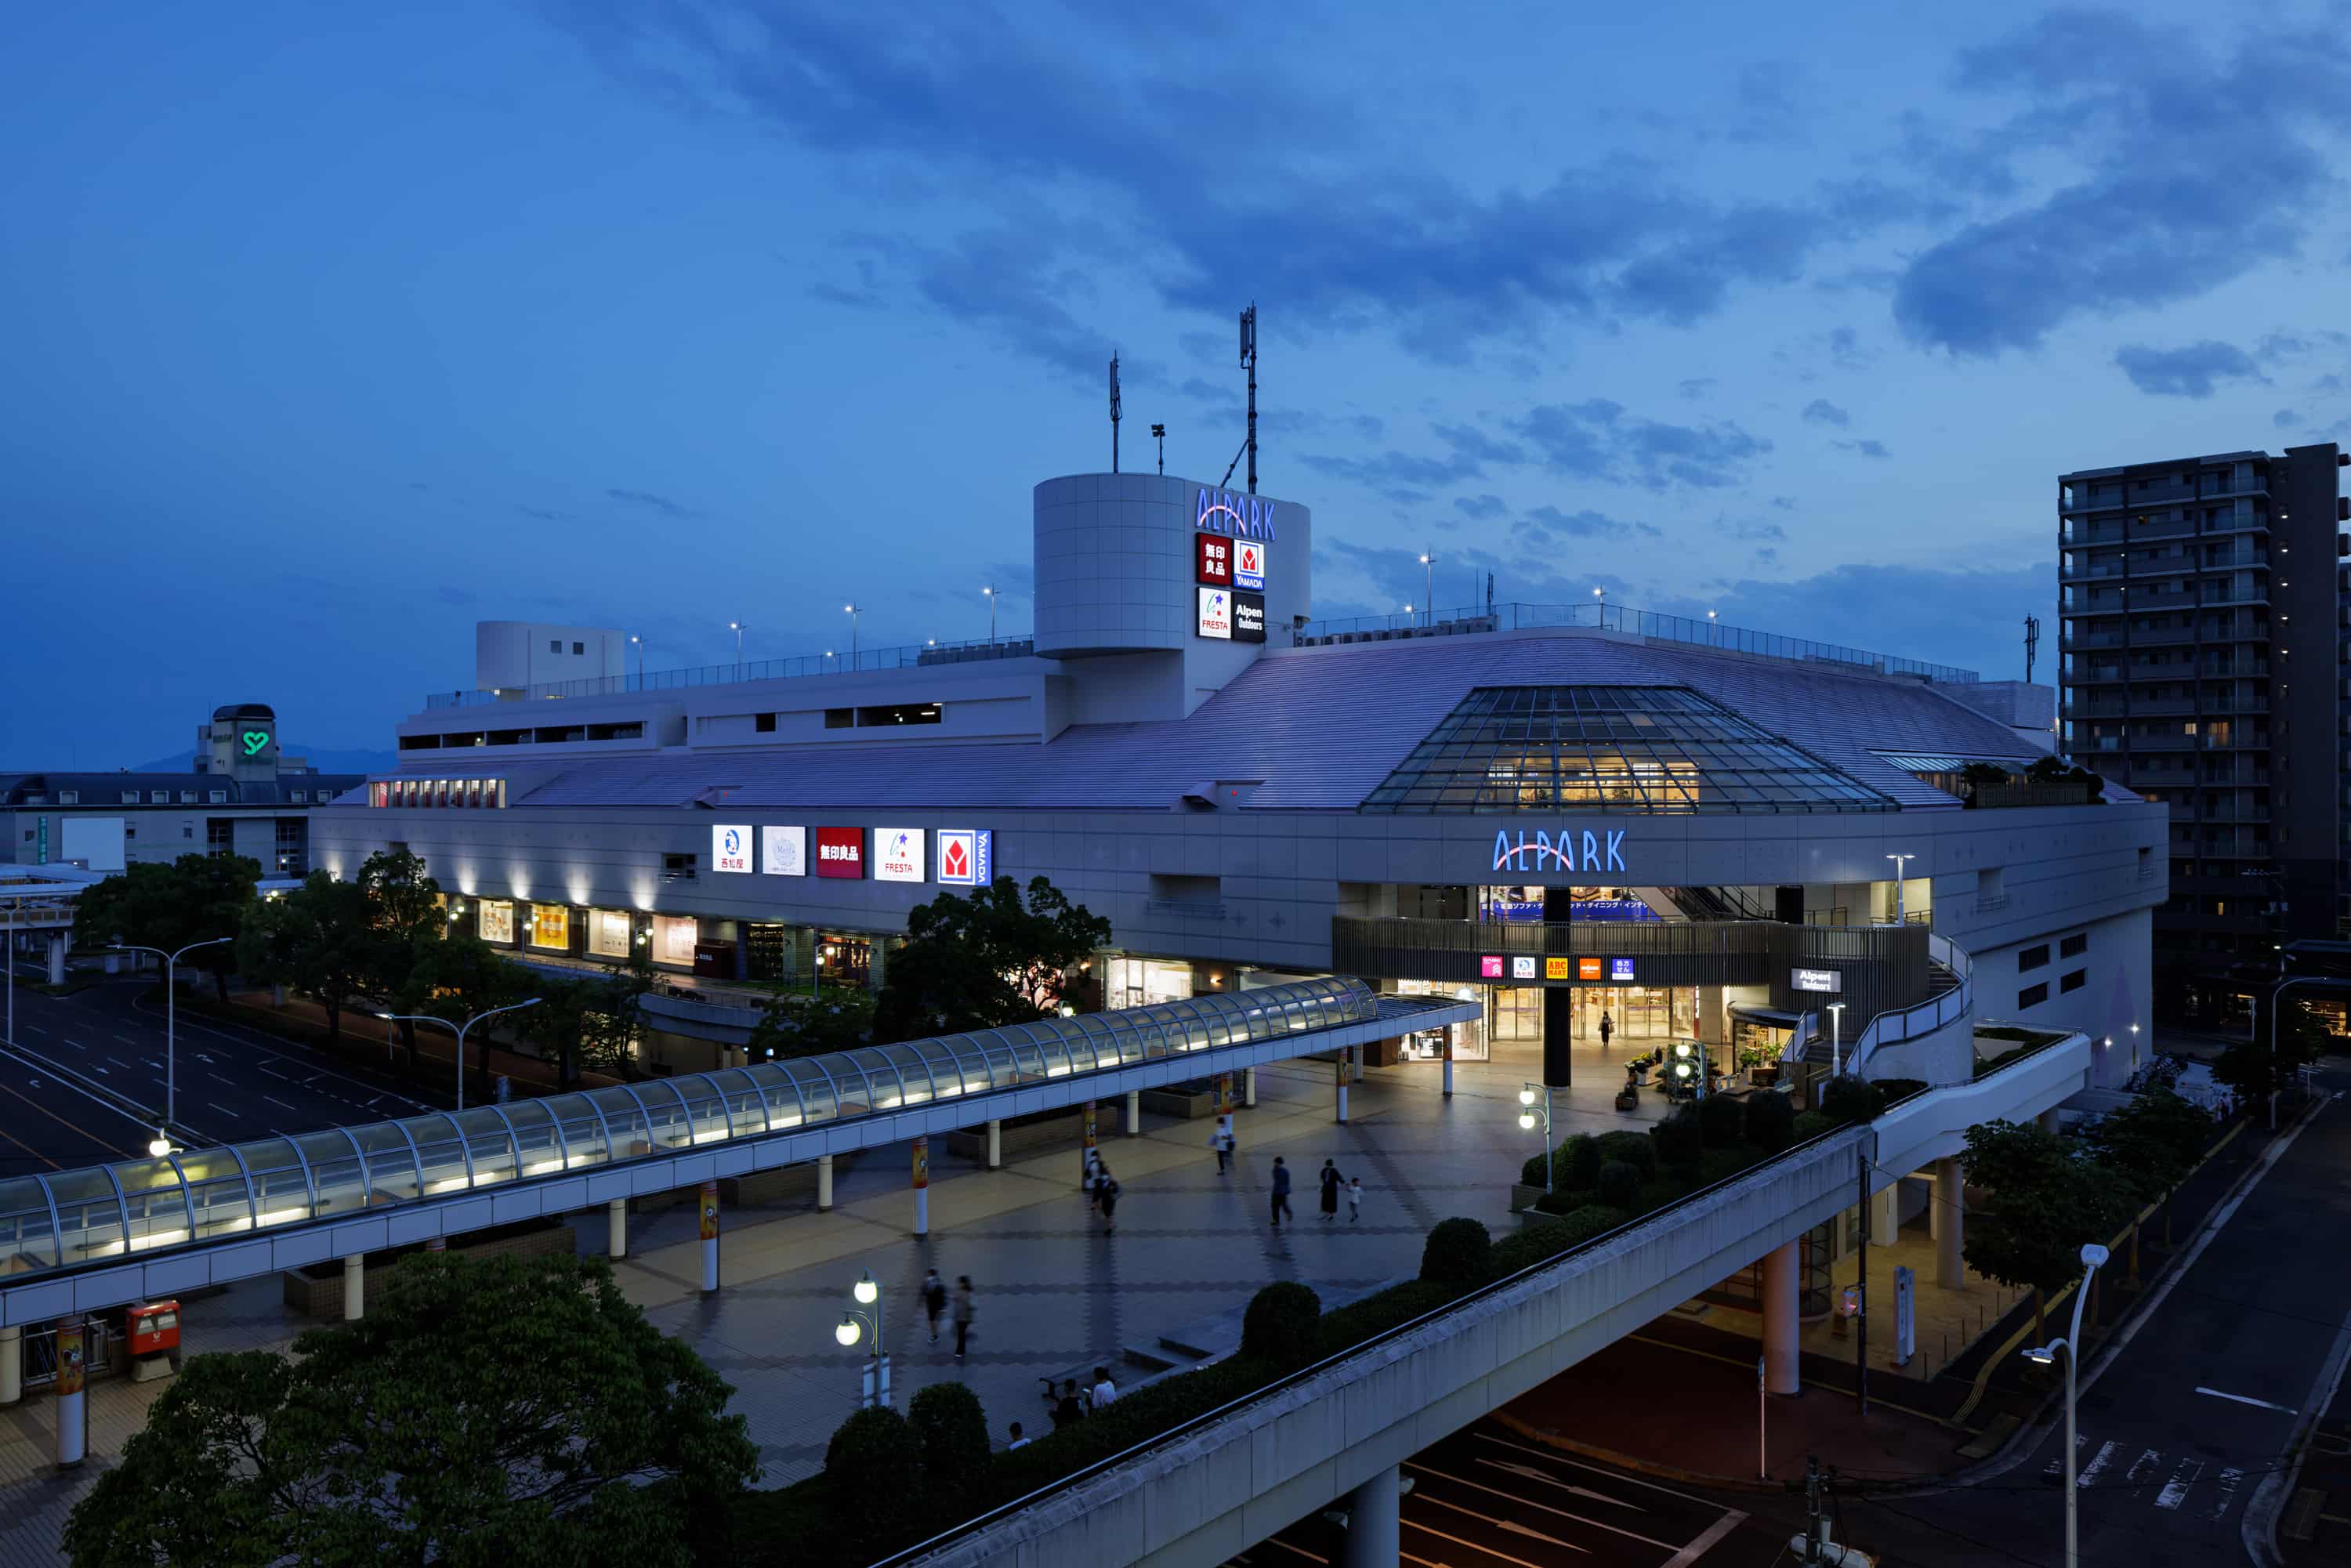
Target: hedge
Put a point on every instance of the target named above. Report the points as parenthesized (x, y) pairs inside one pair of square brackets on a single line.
[(1619, 1185), (1278, 1326), (1457, 1252), (1633, 1148)]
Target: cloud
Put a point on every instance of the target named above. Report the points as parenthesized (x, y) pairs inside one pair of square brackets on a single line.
[(1546, 525), (1468, 451), (662, 504), (544, 514), (2158, 208), (2286, 419), (2189, 371), (1594, 439), (1785, 503), (1971, 619), (1867, 448), (1480, 507), (1696, 386), (1821, 410)]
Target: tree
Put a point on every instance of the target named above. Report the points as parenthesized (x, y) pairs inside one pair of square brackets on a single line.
[(153, 904), (2153, 1142), (512, 1411), (589, 1022), (997, 958), (2046, 1199), (319, 938), (795, 1023), (2253, 1072)]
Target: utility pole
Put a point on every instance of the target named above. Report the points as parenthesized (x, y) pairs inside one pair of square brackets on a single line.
[(1861, 1292), (1812, 1510), (1113, 413), (2032, 642), (1159, 433), (1248, 364)]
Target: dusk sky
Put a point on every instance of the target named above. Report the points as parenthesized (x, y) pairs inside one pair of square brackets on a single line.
[(331, 329)]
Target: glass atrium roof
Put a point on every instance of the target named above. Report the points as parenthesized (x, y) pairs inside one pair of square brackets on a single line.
[(1611, 748)]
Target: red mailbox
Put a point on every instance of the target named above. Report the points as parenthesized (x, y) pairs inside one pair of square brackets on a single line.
[(151, 1327)]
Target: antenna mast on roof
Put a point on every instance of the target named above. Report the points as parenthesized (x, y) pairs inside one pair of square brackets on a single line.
[(1248, 364), (2031, 641), (1113, 413)]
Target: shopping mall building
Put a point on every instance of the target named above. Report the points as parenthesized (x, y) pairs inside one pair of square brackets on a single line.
[(1570, 813)]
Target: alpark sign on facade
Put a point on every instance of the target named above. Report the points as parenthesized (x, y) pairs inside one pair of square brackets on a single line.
[(1227, 512), (1602, 851)]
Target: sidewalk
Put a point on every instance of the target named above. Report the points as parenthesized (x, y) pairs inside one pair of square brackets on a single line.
[(1055, 1297)]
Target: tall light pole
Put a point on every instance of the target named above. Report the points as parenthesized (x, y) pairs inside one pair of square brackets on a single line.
[(1527, 1115), (1712, 630), (2276, 993), (639, 643), (1836, 1021), (851, 610), (736, 627), (2092, 1255), (170, 1016), (1429, 585), (991, 594), (460, 1029), (1901, 909), (1600, 616), (876, 1382)]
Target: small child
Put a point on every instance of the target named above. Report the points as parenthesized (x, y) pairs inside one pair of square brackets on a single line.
[(1355, 1199)]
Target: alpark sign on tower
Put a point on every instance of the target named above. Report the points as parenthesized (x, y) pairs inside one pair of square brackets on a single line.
[(1230, 512)]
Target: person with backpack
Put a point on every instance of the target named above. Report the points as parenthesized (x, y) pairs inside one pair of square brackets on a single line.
[(935, 1299), (1330, 1180), (963, 1313), (1281, 1192)]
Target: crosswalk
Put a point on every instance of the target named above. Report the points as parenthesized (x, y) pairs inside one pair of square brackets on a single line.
[(2185, 1485)]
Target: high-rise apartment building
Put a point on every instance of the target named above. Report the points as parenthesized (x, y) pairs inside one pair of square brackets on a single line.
[(2203, 603)]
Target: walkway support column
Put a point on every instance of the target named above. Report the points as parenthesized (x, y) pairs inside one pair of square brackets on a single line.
[(56, 960), (1783, 1316), (1342, 1089), (11, 1365), (1248, 1088), (922, 1179), (616, 1229), (1885, 1223), (1374, 1524), (710, 1238), (996, 1144), (824, 1183), (1133, 1128), (1951, 1223), (354, 1287), (1449, 1031), (71, 1403), (2047, 1120)]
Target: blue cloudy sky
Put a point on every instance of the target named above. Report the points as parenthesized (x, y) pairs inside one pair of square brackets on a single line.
[(331, 329)]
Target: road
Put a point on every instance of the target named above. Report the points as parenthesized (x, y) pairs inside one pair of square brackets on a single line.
[(87, 1073), (1486, 1498)]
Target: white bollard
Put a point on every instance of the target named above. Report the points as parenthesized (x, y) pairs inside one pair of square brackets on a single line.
[(616, 1229), (824, 1183), (1248, 1088), (354, 1287), (996, 1145), (1133, 1128)]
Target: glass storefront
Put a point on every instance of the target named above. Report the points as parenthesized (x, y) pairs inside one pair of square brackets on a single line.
[(493, 919), (1514, 1014), (1636, 1012), (609, 931), (1142, 982), (550, 926), (673, 938), (1428, 1045)]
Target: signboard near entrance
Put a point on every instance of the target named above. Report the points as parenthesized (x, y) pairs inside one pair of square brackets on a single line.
[(1824, 980), (1587, 969), (841, 852), (1906, 1313)]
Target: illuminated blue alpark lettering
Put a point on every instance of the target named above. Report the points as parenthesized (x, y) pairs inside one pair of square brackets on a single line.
[(1227, 512), (1532, 855)]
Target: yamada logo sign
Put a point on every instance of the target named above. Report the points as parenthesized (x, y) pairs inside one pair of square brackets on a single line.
[(730, 847), (967, 856), (1249, 564), (841, 852)]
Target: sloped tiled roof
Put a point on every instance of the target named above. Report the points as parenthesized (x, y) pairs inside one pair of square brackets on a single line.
[(1320, 727)]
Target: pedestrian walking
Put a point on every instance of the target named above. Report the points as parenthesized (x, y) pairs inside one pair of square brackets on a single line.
[(1221, 1140), (1355, 1199), (1281, 1192), (1608, 1028), (1104, 1390), (1106, 1197), (935, 1299), (1069, 1410), (1330, 1180), (963, 1313)]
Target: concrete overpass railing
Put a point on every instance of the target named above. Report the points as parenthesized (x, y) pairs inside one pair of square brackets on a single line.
[(1214, 1487)]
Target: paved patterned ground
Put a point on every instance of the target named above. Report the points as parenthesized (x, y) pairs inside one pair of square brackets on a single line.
[(1055, 1295)]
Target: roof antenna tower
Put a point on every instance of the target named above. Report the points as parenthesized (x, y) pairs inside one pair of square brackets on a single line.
[(1113, 413), (2032, 642), (1248, 362)]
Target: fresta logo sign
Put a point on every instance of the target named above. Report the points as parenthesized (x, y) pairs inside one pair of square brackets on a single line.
[(255, 741)]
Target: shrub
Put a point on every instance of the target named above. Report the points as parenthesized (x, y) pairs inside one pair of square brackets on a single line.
[(1771, 1122), (1633, 1148), (873, 1480), (1593, 1219), (1530, 1246), (1896, 1090), (1585, 1159), (1375, 1315), (1812, 1124), (1679, 1141), (953, 1428), (1458, 1252), (1280, 1324), (1721, 1120), (1619, 1185), (1851, 1098), (1532, 1173)]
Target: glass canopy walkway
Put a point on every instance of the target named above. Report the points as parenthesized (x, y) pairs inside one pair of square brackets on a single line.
[(104, 1213)]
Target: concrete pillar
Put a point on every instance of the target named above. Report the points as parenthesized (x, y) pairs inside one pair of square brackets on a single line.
[(11, 1365), (1450, 1030), (921, 1179), (56, 960), (277, 997), (1951, 1223), (1886, 1218), (616, 1229), (2047, 1120), (874, 956), (996, 1145), (824, 1181), (1248, 1088), (354, 1287), (1133, 1128), (1709, 1020), (1374, 1523), (1783, 1314), (710, 1238), (1344, 1066), (1355, 1063), (71, 1401)]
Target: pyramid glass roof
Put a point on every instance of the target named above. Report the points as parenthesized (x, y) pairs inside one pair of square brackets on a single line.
[(1611, 748)]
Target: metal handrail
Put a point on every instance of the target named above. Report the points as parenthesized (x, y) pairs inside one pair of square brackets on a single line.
[(910, 656)]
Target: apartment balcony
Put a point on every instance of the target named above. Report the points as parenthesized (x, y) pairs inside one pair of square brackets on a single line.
[(2078, 642)]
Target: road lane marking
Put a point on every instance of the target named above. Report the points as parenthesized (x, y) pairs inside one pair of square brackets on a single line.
[(2098, 1462), (1529, 1502), (2227, 1482), (221, 1108), (61, 1121), (1596, 1470), (2146, 1465), (1529, 1472), (2174, 1490), (2246, 1399), (1498, 1556), (32, 1151), (281, 1105), (1731, 1520)]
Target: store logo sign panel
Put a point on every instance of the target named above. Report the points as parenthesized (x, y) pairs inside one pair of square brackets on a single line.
[(1489, 967), (1249, 617), (841, 852), (1213, 559), (1602, 851), (783, 851), (1523, 969), (1249, 564), (899, 855), (1242, 517), (1620, 969), (1587, 969), (1824, 980), (1216, 613), (730, 847), (1554, 968), (255, 741), (966, 857)]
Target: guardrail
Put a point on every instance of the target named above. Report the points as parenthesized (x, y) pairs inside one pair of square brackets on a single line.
[(1955, 1002), (910, 656)]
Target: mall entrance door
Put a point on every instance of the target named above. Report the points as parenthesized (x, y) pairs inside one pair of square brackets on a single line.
[(1638, 1012)]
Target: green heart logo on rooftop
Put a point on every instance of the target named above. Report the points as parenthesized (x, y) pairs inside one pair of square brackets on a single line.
[(255, 739)]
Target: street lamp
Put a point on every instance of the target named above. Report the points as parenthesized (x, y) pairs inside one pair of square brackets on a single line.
[(851, 610), (160, 1145), (736, 627), (1901, 910), (1836, 1023), (1530, 1117), (874, 1386), (1429, 585), (1690, 1060), (639, 643), (2092, 1255), (171, 1017), (1711, 639), (2276, 993), (460, 1030)]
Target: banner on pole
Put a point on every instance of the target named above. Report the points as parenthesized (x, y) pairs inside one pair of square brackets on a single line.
[(710, 1211), (922, 1163)]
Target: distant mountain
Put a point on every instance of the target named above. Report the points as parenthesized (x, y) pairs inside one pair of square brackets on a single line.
[(324, 760)]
